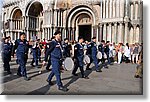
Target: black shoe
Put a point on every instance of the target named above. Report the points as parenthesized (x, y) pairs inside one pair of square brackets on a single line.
[(75, 74), (49, 82), (98, 70), (26, 78), (48, 69), (88, 69), (9, 72), (19, 74), (63, 88), (85, 77), (5, 69), (136, 76), (32, 65), (106, 67)]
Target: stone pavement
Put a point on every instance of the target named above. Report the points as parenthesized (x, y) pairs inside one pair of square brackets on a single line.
[(118, 79)]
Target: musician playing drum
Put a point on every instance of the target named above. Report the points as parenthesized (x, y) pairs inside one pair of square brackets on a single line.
[(78, 58), (93, 55), (101, 48)]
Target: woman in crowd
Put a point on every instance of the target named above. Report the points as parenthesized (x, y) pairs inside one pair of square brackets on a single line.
[(127, 53), (120, 51)]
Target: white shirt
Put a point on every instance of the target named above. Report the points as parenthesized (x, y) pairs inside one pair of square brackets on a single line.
[(127, 52)]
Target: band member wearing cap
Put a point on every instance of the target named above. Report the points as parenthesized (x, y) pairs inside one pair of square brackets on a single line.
[(55, 51), (22, 47), (6, 54), (93, 47), (49, 59), (35, 54), (66, 48), (78, 58), (101, 48)]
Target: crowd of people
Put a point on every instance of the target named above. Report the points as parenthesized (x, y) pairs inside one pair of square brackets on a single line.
[(56, 50)]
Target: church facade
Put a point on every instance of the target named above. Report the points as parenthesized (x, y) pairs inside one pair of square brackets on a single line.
[(118, 21)]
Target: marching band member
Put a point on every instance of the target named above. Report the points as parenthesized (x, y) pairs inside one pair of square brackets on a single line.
[(39, 49), (93, 55), (6, 54), (101, 48), (78, 58), (22, 47), (35, 54), (46, 49), (66, 49), (107, 51), (55, 51)]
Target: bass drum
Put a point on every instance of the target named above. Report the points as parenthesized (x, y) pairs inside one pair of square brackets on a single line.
[(68, 63), (105, 56), (99, 55), (86, 59)]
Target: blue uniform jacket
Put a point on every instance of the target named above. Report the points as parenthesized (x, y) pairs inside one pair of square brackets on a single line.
[(55, 51), (78, 52), (6, 52), (22, 48)]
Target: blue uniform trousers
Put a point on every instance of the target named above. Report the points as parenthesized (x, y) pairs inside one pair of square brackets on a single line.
[(35, 57), (109, 62), (78, 63), (39, 54), (56, 64), (21, 60), (49, 63), (6, 65)]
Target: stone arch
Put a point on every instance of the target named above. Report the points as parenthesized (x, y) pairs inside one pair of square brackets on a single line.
[(14, 11), (30, 4), (78, 9)]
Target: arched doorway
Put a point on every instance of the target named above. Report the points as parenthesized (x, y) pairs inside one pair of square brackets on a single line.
[(34, 14), (80, 22), (85, 25), (16, 23)]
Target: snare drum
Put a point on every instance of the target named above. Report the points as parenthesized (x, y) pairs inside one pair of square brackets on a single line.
[(68, 63), (99, 55), (86, 59)]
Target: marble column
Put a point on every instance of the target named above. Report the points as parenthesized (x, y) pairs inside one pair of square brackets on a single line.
[(141, 34), (109, 37), (62, 18), (114, 8), (118, 8), (122, 3), (126, 33), (113, 33), (100, 33), (136, 10), (27, 27), (134, 33), (55, 18), (104, 9), (104, 32), (97, 34), (107, 9), (120, 34), (126, 8), (137, 37), (110, 9), (101, 9), (131, 14)]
